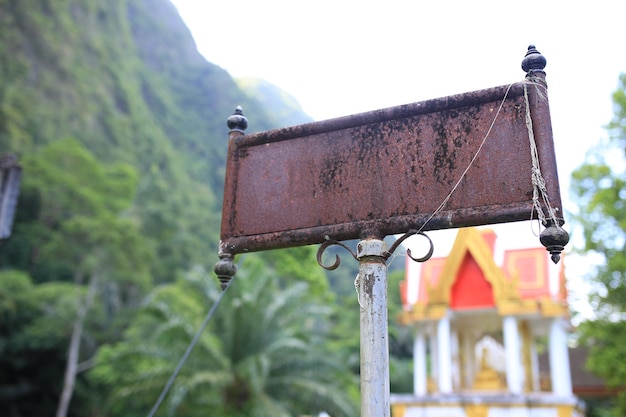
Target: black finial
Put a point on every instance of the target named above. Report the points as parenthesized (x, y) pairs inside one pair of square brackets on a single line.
[(533, 61), (225, 269), (554, 238), (237, 121)]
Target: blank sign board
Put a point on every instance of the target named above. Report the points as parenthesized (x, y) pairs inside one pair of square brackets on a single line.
[(388, 171)]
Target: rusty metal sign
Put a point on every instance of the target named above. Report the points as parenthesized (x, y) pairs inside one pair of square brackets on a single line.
[(387, 171), (469, 159)]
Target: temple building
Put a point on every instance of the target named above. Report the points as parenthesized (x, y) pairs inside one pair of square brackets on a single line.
[(481, 318)]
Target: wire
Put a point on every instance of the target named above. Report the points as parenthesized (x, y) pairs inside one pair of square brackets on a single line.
[(195, 339), (445, 200)]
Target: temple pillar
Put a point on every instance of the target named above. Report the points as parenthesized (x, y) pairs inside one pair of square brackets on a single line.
[(512, 351), (444, 362), (560, 373), (468, 361), (420, 387), (455, 359), (527, 356), (433, 350)]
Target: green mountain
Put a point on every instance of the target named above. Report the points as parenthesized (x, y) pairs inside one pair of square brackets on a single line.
[(124, 78), (120, 126)]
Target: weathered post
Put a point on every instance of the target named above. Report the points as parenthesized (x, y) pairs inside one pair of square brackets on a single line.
[(372, 289)]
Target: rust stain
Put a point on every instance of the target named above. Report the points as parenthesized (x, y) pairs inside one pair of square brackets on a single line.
[(369, 280)]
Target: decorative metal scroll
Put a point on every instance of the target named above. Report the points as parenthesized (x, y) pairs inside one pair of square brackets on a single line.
[(329, 242)]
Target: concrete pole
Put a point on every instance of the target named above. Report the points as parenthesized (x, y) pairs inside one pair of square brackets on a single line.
[(374, 328)]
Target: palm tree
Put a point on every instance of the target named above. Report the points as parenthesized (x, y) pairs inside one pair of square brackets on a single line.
[(263, 354)]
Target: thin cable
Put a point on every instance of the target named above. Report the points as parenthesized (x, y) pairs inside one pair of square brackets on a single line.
[(445, 200), (183, 359)]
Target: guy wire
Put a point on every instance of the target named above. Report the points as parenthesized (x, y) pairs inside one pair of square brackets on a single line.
[(445, 200), (192, 344)]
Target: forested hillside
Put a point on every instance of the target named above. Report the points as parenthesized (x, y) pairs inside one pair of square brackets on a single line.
[(120, 128), (125, 80)]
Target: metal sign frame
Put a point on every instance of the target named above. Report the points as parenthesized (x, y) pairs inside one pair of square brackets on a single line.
[(386, 171)]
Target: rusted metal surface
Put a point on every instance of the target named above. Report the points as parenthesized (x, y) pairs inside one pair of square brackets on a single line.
[(387, 171)]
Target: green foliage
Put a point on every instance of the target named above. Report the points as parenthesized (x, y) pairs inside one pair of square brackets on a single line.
[(600, 186), (108, 247), (400, 374), (12, 285), (120, 128), (72, 182), (49, 330), (606, 353), (299, 264), (600, 407), (34, 322), (126, 80), (262, 354), (400, 339), (64, 186), (73, 235)]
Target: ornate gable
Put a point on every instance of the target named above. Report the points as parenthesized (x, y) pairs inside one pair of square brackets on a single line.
[(469, 278)]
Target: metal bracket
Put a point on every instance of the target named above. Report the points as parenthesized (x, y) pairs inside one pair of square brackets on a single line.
[(386, 255)]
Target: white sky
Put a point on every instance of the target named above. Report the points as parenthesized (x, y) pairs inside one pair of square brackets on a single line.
[(343, 57)]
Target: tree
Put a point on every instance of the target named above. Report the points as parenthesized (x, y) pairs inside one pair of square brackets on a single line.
[(600, 187), (81, 244), (263, 354), (108, 252), (34, 322), (63, 180)]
